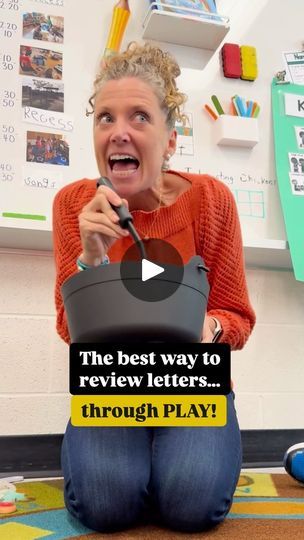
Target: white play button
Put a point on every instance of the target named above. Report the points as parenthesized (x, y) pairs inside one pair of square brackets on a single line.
[(137, 272), (149, 270)]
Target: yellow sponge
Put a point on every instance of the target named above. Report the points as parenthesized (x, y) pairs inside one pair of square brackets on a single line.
[(249, 63)]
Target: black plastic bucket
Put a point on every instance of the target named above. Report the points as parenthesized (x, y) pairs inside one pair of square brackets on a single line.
[(100, 309)]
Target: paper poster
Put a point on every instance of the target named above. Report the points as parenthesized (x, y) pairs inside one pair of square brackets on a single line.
[(300, 136), (47, 119), (296, 163), (294, 105), (297, 183), (184, 141), (294, 66), (289, 153)]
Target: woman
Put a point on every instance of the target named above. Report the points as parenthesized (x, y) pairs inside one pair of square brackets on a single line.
[(116, 476)]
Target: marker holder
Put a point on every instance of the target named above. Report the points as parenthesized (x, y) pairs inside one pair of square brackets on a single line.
[(232, 130)]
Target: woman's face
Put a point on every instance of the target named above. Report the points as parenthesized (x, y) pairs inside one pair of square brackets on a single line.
[(131, 137)]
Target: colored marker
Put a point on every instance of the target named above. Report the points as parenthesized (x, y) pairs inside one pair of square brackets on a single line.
[(256, 112), (205, 2), (249, 108), (240, 105), (254, 108), (244, 105), (217, 105), (233, 109), (211, 112), (236, 106), (211, 5)]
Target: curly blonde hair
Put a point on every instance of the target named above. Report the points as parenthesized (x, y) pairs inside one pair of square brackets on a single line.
[(152, 65)]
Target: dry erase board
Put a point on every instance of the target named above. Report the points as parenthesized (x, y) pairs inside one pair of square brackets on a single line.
[(37, 110), (48, 57)]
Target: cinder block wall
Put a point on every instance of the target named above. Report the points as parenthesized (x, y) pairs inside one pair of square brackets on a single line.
[(268, 374)]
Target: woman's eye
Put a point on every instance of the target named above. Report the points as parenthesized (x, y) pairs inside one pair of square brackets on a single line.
[(141, 117), (104, 118)]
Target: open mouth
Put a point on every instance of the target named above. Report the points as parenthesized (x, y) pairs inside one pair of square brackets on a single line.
[(123, 162)]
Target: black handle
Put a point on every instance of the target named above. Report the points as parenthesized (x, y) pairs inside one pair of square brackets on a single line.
[(122, 211), (125, 218)]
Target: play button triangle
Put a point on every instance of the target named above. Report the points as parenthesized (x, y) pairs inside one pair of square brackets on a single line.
[(149, 270)]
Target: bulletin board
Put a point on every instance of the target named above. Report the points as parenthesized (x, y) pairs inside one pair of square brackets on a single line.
[(288, 123)]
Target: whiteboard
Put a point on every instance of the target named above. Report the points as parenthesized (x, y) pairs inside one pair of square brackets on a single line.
[(27, 187)]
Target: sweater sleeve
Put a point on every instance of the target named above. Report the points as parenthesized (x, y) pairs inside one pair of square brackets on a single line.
[(67, 247), (222, 248)]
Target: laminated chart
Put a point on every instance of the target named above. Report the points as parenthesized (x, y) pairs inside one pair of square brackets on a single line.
[(288, 125), (184, 142)]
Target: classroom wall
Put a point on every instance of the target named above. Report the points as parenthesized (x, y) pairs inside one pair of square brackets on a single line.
[(268, 373)]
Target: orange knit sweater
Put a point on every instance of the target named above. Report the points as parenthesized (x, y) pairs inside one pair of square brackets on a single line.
[(203, 220)]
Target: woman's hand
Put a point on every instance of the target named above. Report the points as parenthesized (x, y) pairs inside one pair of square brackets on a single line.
[(98, 225), (208, 330)]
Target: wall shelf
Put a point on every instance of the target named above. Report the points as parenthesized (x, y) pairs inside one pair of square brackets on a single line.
[(188, 29), (14, 238), (273, 254)]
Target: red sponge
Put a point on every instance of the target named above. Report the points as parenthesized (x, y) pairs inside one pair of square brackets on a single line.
[(231, 60)]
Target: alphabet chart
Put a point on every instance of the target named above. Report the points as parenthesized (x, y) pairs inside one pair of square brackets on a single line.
[(288, 123)]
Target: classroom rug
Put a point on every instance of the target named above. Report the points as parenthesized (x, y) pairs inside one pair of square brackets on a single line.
[(265, 507)]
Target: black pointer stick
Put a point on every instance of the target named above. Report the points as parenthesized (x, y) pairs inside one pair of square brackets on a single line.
[(125, 218)]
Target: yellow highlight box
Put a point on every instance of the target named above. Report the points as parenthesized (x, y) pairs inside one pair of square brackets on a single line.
[(145, 410)]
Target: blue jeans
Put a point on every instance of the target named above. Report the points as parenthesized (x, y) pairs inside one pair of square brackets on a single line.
[(183, 478)]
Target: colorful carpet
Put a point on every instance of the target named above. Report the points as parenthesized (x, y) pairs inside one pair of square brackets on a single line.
[(265, 507)]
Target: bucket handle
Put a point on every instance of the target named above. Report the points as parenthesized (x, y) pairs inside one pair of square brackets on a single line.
[(202, 267)]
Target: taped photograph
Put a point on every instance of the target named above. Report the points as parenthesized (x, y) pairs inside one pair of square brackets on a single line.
[(40, 62), (43, 94), (43, 27), (47, 148)]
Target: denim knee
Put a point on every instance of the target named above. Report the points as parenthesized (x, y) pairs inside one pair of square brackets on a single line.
[(110, 505), (105, 478), (187, 515), (197, 501)]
